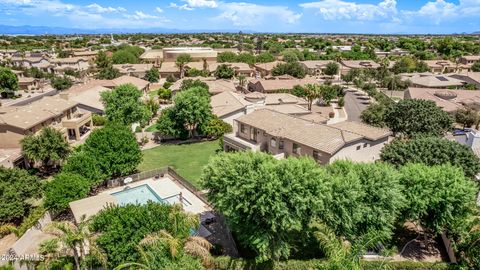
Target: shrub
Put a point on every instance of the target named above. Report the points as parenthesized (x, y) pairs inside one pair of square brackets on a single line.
[(98, 120), (33, 217), (63, 189), (122, 228), (16, 188)]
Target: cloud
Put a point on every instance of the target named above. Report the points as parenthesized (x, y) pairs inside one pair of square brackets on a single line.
[(247, 14), (343, 10), (439, 11), (96, 8), (90, 16), (180, 7), (201, 3), (159, 10)]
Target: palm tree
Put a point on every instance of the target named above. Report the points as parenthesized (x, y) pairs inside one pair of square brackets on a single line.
[(181, 61), (49, 249), (341, 254), (312, 92), (242, 80), (75, 240), (194, 246)]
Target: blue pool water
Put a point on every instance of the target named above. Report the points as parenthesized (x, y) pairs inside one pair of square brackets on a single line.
[(137, 195), (143, 194)]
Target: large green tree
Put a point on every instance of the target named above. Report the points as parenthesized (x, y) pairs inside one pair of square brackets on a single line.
[(440, 198), (416, 116), (476, 67), (267, 202), (8, 82), (331, 69), (17, 189), (123, 105), (49, 146), (61, 83), (115, 148), (224, 72), (431, 151), (122, 228), (63, 189), (152, 75), (365, 198), (82, 163), (189, 115), (294, 69)]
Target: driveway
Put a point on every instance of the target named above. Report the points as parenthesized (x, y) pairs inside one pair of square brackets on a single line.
[(355, 103)]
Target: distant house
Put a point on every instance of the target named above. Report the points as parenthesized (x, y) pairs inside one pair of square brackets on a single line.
[(317, 67), (469, 59), (229, 105), (197, 53), (85, 54), (433, 81), (283, 135), (469, 78), (347, 65), (28, 83), (136, 70), (445, 66), (59, 65), (272, 86), (239, 68), (41, 63), (448, 100), (214, 86), (16, 122), (265, 69)]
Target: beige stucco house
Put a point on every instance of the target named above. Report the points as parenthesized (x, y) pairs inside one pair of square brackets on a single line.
[(16, 122), (283, 135)]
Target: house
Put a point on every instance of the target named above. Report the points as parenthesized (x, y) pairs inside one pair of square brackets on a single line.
[(152, 56), (41, 63), (433, 81), (89, 55), (28, 83), (240, 68), (59, 65), (141, 84), (229, 105), (448, 100), (469, 59), (347, 65), (135, 70), (214, 86), (283, 135), (197, 53), (278, 85), (16, 122), (265, 69), (468, 77), (316, 67), (441, 66)]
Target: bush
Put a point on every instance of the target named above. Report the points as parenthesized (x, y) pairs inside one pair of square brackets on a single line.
[(16, 188), (122, 228), (33, 217), (86, 165), (63, 189), (98, 120), (167, 85)]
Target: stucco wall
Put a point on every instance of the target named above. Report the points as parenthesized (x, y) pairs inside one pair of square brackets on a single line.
[(361, 151)]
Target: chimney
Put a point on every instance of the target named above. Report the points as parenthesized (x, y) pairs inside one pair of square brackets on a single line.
[(63, 95)]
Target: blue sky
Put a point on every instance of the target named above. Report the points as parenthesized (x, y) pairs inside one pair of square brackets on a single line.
[(326, 16)]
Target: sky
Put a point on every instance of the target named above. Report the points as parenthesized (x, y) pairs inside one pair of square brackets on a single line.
[(319, 16)]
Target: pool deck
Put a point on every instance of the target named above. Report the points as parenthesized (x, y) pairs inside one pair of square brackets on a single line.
[(164, 187)]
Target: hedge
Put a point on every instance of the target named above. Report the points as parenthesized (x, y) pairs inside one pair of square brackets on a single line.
[(224, 263)]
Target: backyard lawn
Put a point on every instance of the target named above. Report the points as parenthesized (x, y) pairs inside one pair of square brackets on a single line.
[(188, 159)]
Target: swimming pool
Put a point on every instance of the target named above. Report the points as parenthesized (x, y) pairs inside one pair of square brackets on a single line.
[(143, 194)]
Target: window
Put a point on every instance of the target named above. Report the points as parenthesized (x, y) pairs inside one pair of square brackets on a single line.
[(273, 142), (296, 149), (242, 128), (280, 145), (365, 145), (317, 155), (358, 147)]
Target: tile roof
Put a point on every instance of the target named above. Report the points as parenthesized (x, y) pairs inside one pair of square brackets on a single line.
[(328, 139), (27, 116), (448, 100)]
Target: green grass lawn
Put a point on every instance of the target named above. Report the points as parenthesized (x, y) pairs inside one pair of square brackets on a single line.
[(188, 160)]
